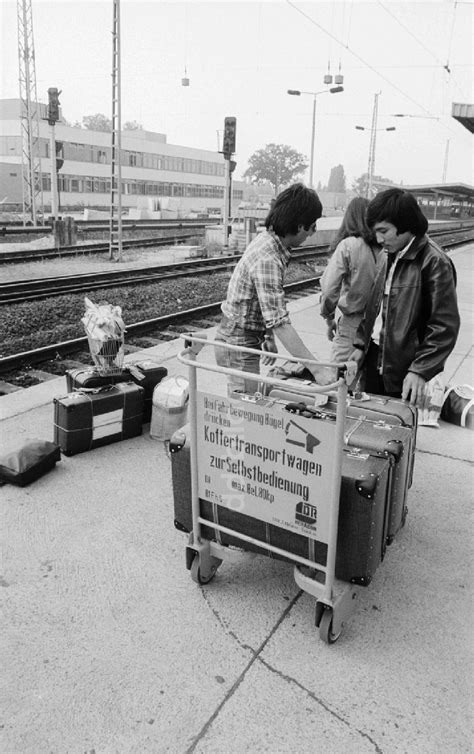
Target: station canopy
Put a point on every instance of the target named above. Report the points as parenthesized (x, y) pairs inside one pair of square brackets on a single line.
[(464, 114), (458, 191)]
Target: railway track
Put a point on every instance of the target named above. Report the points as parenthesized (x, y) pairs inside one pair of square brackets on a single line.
[(32, 367), (40, 288), (101, 247)]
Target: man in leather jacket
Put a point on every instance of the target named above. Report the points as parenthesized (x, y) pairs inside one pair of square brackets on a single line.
[(412, 321)]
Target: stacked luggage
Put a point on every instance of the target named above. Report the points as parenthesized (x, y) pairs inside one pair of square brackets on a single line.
[(377, 470), (105, 407)]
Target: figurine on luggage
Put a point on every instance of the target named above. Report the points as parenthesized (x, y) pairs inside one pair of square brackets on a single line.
[(412, 320), (356, 262)]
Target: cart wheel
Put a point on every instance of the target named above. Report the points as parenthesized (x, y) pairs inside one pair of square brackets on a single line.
[(196, 571), (325, 628)]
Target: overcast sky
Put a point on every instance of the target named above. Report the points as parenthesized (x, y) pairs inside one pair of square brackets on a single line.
[(242, 57)]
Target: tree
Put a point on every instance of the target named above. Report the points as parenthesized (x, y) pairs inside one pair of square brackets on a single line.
[(132, 125), (276, 163), (337, 180), (361, 184), (97, 122)]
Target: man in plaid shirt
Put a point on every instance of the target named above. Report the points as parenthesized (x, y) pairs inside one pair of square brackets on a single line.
[(255, 310)]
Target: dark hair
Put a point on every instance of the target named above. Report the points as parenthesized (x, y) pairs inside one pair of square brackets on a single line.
[(295, 206), (399, 208), (354, 223)]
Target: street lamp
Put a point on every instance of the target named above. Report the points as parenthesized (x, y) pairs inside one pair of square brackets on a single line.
[(370, 169), (406, 115), (297, 93)]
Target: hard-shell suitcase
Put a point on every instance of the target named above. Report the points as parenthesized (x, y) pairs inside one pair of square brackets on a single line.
[(375, 432), (392, 415), (363, 513), (146, 373), (83, 421)]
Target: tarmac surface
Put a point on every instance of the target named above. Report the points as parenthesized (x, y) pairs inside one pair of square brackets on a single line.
[(109, 646)]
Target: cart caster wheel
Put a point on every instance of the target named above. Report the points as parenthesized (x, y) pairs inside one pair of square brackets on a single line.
[(325, 628), (196, 574)]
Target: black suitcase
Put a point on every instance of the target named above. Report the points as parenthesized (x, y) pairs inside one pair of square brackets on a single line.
[(146, 373), (363, 515), (377, 433), (393, 416), (83, 421)]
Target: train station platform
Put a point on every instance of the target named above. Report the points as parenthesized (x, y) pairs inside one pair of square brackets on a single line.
[(109, 646)]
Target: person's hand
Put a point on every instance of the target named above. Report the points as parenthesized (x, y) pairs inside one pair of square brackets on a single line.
[(357, 355), (351, 372), (413, 389), (268, 346), (331, 328)]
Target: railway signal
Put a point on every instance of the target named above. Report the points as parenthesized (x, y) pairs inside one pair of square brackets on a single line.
[(230, 132), (53, 105)]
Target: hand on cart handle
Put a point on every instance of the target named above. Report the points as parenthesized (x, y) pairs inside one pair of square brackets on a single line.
[(352, 368), (268, 346), (191, 346)]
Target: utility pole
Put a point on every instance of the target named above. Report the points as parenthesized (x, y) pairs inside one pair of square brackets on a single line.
[(373, 134), (115, 244), (445, 166), (32, 189)]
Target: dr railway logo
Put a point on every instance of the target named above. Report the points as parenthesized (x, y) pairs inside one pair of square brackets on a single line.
[(306, 514)]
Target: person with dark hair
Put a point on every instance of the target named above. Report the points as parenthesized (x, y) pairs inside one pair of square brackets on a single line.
[(255, 309), (412, 320), (355, 264)]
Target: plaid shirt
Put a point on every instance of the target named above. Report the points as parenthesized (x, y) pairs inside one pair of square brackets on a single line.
[(255, 296)]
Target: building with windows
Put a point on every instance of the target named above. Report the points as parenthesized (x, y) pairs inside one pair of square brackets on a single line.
[(156, 176)]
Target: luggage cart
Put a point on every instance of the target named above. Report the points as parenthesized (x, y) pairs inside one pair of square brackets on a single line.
[(269, 432)]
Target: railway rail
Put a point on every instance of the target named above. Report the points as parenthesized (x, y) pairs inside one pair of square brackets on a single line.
[(54, 359), (101, 247), (39, 288)]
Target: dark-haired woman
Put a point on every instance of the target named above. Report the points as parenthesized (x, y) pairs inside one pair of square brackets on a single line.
[(346, 285)]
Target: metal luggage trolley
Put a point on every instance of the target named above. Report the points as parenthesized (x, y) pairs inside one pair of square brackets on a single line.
[(252, 456)]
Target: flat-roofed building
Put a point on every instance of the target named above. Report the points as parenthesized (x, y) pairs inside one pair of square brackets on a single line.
[(156, 176)]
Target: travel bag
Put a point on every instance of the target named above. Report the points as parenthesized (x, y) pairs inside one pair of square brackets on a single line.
[(146, 373), (387, 425), (90, 419), (363, 515), (23, 461)]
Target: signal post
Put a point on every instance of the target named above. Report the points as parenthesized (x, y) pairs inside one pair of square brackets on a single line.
[(228, 149), (56, 164)]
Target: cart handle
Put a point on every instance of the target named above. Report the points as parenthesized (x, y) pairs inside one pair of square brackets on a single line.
[(309, 389), (190, 340)]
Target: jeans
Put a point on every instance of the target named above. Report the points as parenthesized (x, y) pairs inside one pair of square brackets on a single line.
[(235, 335)]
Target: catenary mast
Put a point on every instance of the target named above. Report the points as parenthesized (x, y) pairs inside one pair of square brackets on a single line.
[(115, 249), (32, 190)]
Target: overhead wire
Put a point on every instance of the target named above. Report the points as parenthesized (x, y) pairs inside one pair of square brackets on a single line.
[(361, 59), (408, 31)]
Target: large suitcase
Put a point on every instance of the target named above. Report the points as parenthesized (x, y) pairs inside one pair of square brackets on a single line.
[(363, 515), (83, 421), (388, 425), (380, 433), (146, 373)]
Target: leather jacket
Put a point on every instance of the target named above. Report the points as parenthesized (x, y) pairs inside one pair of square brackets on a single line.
[(422, 317)]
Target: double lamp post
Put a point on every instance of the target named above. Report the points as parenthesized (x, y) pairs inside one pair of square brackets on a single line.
[(314, 95)]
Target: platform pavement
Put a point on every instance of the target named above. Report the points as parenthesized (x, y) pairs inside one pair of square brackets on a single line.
[(108, 646)]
